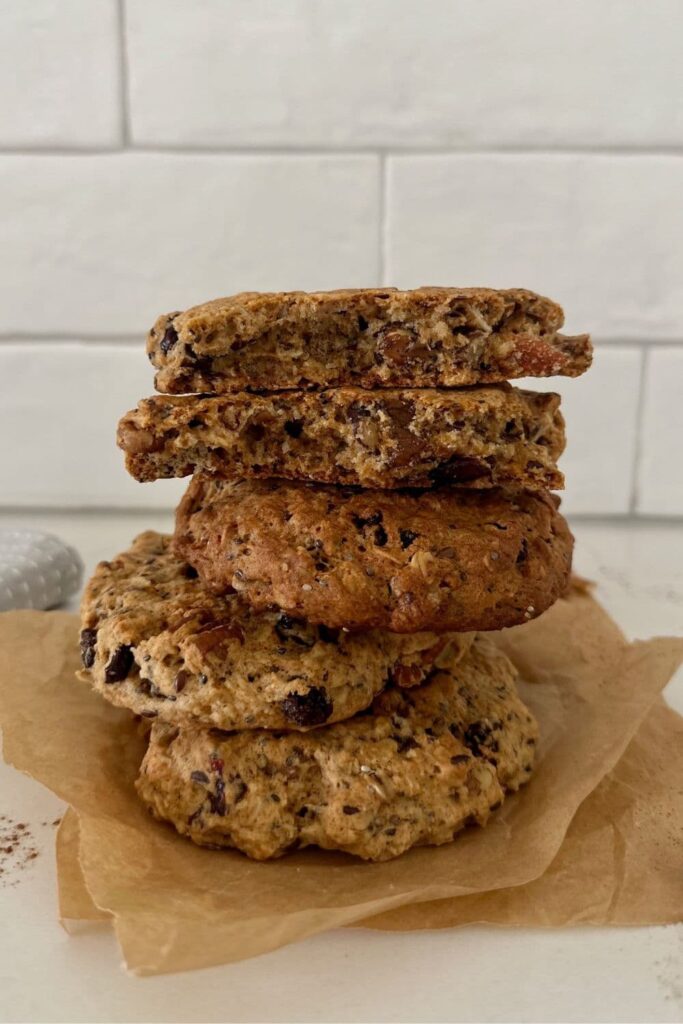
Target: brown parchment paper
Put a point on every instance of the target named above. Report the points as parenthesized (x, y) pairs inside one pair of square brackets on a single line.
[(175, 906), (621, 861), (76, 907)]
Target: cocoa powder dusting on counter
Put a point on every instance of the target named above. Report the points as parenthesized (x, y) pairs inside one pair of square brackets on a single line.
[(17, 849)]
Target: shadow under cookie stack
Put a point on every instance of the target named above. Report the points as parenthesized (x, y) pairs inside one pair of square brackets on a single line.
[(369, 498)]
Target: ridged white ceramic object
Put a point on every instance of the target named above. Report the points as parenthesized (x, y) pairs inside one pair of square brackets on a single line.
[(37, 570)]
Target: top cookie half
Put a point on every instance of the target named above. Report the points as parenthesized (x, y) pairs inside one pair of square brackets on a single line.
[(368, 337)]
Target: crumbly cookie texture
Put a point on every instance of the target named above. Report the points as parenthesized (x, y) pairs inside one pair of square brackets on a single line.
[(475, 437), (445, 559), (412, 771), (155, 641), (371, 337)]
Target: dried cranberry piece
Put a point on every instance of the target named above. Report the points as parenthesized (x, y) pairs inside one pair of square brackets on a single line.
[(349, 809), (400, 346), (88, 645), (477, 735), (181, 680), (294, 427), (357, 412), (217, 798), (169, 339), (460, 758), (311, 708), (399, 410), (405, 743), (460, 469), (212, 637), (360, 522), (295, 630), (407, 537), (381, 536), (241, 789), (119, 665)]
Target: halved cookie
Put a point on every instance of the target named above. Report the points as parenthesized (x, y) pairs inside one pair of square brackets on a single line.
[(372, 337), (474, 437)]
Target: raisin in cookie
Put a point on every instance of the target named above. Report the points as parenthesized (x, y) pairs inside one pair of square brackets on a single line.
[(411, 771), (474, 437), (372, 337), (154, 640), (445, 559)]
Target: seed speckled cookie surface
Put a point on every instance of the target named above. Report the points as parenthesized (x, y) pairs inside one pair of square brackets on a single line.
[(445, 559), (413, 770), (473, 437), (155, 641), (371, 337)]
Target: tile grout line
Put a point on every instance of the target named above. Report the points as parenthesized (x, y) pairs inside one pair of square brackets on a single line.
[(350, 150), (56, 338), (124, 91), (382, 218), (638, 446)]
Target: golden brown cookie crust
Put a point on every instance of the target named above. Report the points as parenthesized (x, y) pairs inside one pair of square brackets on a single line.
[(446, 559), (474, 437), (412, 771), (155, 641), (370, 337)]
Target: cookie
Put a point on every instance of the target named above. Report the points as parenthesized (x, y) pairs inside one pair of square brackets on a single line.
[(371, 337), (155, 641), (412, 771), (474, 437), (445, 559)]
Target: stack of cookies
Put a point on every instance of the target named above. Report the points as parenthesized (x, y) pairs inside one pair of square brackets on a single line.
[(369, 496)]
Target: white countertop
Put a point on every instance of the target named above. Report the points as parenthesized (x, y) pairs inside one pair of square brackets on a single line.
[(469, 974)]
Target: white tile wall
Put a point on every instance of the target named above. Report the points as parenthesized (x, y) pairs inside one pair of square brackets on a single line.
[(59, 436), (425, 72), (603, 233), (601, 413), (102, 244), (154, 153), (59, 73), (660, 466)]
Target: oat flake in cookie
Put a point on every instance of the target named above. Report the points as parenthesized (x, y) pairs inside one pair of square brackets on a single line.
[(155, 641), (474, 437), (371, 337), (445, 559), (412, 771)]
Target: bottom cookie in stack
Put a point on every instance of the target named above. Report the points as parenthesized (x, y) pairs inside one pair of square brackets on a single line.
[(413, 770), (423, 733)]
